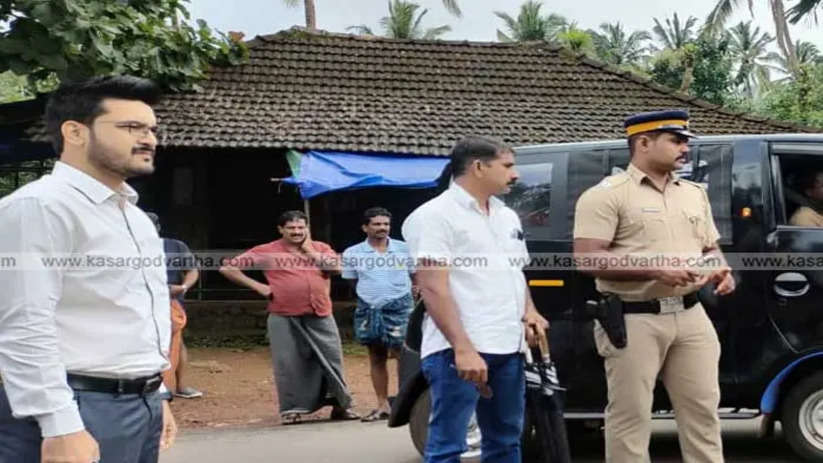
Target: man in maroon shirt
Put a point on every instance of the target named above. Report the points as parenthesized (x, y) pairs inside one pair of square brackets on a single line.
[(305, 345)]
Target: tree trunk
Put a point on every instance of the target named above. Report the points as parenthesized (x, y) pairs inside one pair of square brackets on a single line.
[(689, 57), (784, 40), (688, 77), (311, 15)]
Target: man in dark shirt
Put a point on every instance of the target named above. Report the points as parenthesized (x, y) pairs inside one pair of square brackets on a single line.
[(181, 274)]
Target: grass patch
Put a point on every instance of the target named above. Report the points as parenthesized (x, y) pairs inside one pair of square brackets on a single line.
[(249, 341), (352, 348), (240, 341)]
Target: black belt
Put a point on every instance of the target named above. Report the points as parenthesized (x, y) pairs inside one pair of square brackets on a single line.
[(653, 306), (140, 386)]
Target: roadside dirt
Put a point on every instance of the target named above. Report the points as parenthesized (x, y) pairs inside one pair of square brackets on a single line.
[(238, 388)]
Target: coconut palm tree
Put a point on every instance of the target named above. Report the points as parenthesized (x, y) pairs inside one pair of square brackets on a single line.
[(807, 53), (403, 22), (725, 8), (530, 25), (674, 35), (748, 46), (678, 39), (311, 13), (615, 46)]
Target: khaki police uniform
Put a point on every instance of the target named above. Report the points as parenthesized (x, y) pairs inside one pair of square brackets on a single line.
[(682, 347), (805, 216)]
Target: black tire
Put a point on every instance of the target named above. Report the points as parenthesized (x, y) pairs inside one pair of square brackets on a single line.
[(419, 425), (802, 418), (419, 421)]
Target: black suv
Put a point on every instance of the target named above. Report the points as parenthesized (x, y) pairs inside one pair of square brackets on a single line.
[(770, 328)]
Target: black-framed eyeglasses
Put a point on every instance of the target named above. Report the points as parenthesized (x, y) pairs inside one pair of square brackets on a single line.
[(135, 128)]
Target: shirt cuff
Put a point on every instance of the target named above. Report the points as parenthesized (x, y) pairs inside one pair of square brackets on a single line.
[(67, 420)]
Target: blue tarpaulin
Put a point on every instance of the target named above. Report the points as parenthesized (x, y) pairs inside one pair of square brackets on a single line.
[(324, 171)]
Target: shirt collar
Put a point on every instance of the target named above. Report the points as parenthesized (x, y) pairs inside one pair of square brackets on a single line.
[(96, 191), (368, 247), (468, 201), (638, 175)]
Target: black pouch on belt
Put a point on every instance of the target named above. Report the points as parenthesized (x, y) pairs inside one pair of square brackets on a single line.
[(609, 312)]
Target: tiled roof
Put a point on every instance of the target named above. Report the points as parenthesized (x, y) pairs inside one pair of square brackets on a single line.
[(341, 92)]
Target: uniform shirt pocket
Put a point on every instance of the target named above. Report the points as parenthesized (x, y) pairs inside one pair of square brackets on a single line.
[(694, 221), (650, 223)]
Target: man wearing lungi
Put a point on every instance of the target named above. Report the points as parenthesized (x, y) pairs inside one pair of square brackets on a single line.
[(380, 271), (307, 356)]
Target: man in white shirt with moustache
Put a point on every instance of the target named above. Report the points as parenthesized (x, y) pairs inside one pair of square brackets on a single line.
[(82, 346), (475, 314)]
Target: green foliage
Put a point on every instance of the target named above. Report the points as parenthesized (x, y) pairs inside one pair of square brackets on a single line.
[(710, 63), (577, 40), (675, 34), (68, 39), (13, 176), (13, 88), (748, 48), (713, 78), (530, 24), (617, 47), (404, 22), (807, 53), (799, 100)]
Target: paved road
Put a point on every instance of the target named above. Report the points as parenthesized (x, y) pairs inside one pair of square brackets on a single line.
[(355, 442)]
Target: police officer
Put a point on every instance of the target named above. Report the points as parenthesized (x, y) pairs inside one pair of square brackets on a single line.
[(648, 211)]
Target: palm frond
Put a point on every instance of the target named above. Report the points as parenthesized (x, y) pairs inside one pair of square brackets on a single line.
[(453, 7), (720, 14), (360, 30), (436, 32), (511, 24), (803, 9), (415, 29), (662, 34)]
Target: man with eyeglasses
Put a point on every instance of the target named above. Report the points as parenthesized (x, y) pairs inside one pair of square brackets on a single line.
[(83, 346)]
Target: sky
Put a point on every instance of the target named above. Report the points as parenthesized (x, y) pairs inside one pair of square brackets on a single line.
[(478, 23)]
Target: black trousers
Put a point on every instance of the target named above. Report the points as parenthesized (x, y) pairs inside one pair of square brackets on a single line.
[(127, 428)]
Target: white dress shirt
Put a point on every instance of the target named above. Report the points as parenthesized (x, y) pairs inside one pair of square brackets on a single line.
[(106, 314), (490, 299)]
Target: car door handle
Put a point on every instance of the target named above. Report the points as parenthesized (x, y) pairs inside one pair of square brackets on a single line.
[(791, 284)]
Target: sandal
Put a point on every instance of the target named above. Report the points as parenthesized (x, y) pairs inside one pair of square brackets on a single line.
[(291, 418), (339, 414), (375, 415), (188, 393)]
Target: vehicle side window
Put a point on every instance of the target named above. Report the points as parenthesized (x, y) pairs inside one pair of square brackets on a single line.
[(800, 191), (530, 197)]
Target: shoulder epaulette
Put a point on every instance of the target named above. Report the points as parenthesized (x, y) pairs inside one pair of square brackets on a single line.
[(614, 180), (693, 183)]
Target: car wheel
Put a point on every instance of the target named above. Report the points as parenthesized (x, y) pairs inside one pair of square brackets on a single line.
[(802, 418), (419, 429)]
